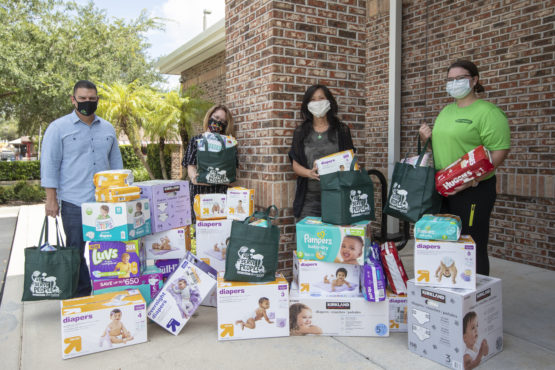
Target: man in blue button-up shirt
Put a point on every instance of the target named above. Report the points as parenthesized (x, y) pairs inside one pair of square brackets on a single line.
[(74, 148)]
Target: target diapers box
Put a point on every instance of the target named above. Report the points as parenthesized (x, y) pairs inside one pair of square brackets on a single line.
[(456, 327), (212, 237), (397, 311)]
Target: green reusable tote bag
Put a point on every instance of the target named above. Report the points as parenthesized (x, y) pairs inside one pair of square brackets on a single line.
[(412, 191), (216, 167), (50, 274), (347, 197), (252, 253)]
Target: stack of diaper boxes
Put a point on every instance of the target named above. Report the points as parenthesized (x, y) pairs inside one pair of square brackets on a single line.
[(454, 314)]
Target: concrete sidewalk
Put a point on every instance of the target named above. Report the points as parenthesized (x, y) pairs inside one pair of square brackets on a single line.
[(30, 332)]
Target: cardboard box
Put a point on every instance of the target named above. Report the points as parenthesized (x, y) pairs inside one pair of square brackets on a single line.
[(181, 295), (148, 285), (101, 322), (252, 310), (338, 316), (170, 203), (119, 221), (109, 260), (320, 241), (168, 244), (210, 206), (167, 267), (320, 279), (397, 312), (212, 238), (448, 264), (239, 203), (454, 326)]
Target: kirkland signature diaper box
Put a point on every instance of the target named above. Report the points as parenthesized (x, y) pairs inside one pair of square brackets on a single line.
[(212, 237), (169, 201), (115, 221), (397, 311), (186, 288), (448, 264), (147, 284), (326, 279), (168, 244), (454, 326), (101, 322), (337, 316), (252, 310), (320, 241), (111, 260)]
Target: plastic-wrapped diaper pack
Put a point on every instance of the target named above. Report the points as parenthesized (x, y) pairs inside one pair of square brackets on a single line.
[(340, 161), (109, 260), (117, 194), (214, 145), (372, 277), (212, 239), (102, 322), (147, 284), (239, 203), (118, 178), (168, 244), (394, 269), (210, 206), (438, 227)]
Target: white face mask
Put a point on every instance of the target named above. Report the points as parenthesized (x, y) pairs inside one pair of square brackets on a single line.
[(319, 108), (458, 89)]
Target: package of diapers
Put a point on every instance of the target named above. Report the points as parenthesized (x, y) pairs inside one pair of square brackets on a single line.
[(104, 179), (148, 285), (183, 292), (397, 311), (214, 145), (117, 194), (319, 241), (326, 279), (448, 264), (438, 227), (427, 160), (102, 322), (212, 240), (168, 244), (210, 206), (119, 221), (394, 269), (239, 203), (335, 162), (372, 277), (167, 267), (109, 260)]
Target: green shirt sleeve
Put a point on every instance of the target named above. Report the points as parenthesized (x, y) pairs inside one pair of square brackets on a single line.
[(495, 133)]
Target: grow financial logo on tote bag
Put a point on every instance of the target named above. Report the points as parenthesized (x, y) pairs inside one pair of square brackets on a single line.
[(359, 203), (250, 263), (398, 199), (215, 176), (44, 285)]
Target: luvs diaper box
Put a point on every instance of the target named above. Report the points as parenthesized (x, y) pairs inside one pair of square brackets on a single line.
[(252, 310), (455, 327), (337, 316), (109, 260), (239, 203), (182, 293), (101, 322), (397, 312), (170, 205), (148, 285), (166, 244), (212, 239), (119, 221), (325, 279), (320, 241), (449, 264)]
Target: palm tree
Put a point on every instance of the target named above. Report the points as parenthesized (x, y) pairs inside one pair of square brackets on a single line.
[(193, 111)]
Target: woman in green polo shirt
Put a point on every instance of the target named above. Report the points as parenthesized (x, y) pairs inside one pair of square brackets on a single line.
[(460, 127)]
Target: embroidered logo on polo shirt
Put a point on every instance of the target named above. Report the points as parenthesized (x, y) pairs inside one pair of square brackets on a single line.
[(464, 120)]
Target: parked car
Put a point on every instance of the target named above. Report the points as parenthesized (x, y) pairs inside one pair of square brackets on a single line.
[(7, 155)]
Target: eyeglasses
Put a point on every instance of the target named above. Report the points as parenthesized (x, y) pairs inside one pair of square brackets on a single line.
[(84, 99), (458, 78)]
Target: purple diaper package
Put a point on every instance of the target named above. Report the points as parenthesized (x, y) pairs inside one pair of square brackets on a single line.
[(167, 266), (372, 277), (149, 285), (116, 260)]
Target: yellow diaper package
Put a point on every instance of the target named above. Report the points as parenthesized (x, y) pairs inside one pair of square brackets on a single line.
[(115, 194), (104, 179), (239, 203), (209, 206)]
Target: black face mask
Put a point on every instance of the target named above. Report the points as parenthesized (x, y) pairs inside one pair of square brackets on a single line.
[(87, 108), (216, 126)]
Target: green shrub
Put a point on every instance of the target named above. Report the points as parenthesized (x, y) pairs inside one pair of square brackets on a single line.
[(130, 159), (153, 158), (29, 193), (140, 174), (6, 194), (19, 170)]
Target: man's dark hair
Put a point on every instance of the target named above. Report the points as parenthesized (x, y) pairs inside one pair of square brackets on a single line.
[(84, 84)]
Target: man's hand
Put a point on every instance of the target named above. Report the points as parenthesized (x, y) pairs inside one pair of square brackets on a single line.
[(51, 207)]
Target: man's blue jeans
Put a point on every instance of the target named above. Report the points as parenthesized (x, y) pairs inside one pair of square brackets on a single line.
[(73, 227)]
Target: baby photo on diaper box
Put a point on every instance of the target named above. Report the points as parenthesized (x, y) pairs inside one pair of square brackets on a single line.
[(102, 322), (212, 240), (449, 264), (119, 221), (252, 310), (109, 260), (320, 241), (166, 244), (182, 293), (239, 203), (317, 278), (147, 284)]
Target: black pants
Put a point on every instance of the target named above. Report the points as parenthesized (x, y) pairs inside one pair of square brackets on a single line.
[(474, 206)]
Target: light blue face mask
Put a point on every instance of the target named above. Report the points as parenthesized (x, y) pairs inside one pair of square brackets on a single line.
[(458, 89)]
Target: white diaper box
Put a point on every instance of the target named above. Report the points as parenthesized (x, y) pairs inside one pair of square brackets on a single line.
[(212, 237), (167, 244), (397, 311), (182, 293), (337, 316), (335, 162), (456, 326), (315, 278), (447, 264), (239, 203), (102, 322), (252, 310)]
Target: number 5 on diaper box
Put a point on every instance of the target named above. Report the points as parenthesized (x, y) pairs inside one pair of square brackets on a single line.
[(227, 329), (73, 343)]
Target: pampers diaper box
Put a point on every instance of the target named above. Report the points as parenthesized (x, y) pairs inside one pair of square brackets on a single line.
[(397, 311), (456, 326), (148, 285), (116, 221), (317, 278), (320, 241), (448, 264), (182, 293), (239, 203), (170, 206), (252, 310), (337, 316), (101, 322), (109, 260), (168, 244), (212, 239)]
